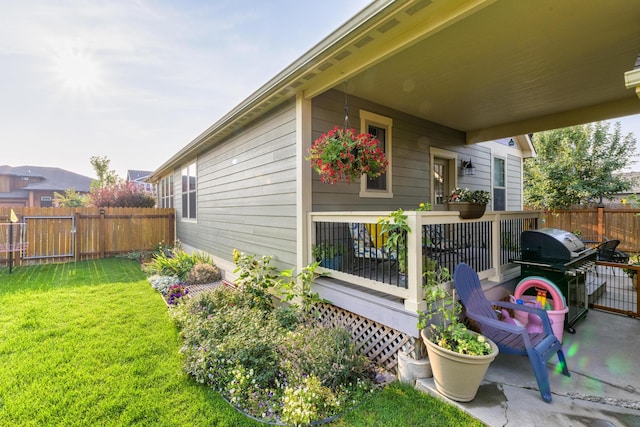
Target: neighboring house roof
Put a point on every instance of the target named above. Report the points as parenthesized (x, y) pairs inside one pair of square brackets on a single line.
[(416, 57), (54, 179), (17, 194), (635, 176), (136, 175)]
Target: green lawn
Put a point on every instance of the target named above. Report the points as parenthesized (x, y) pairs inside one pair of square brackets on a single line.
[(91, 343)]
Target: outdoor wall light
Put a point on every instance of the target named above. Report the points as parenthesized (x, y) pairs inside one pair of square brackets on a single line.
[(467, 167)]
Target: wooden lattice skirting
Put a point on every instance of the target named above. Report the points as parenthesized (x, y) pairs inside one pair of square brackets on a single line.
[(376, 341)]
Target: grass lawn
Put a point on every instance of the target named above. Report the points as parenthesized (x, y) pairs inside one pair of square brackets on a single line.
[(91, 343)]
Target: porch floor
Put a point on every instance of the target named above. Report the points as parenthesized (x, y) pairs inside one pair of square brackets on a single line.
[(604, 387)]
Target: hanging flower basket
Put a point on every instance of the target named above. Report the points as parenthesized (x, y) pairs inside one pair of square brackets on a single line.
[(342, 155)]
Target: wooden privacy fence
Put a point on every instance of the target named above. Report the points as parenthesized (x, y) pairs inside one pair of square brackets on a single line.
[(72, 234), (597, 224)]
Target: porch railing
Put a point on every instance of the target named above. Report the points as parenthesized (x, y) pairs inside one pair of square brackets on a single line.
[(354, 248)]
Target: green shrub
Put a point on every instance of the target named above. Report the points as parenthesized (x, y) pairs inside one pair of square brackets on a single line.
[(239, 334), (288, 317), (176, 262), (307, 401), (270, 362), (203, 273), (256, 277), (327, 353)]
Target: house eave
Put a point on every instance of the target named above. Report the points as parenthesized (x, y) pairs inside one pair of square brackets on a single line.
[(280, 87)]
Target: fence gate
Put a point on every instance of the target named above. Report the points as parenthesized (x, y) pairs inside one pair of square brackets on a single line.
[(617, 288), (50, 237)]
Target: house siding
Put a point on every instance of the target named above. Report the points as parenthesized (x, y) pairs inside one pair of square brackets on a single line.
[(514, 183), (246, 193), (412, 138)]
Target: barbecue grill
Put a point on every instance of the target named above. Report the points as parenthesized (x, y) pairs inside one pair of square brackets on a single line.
[(561, 257)]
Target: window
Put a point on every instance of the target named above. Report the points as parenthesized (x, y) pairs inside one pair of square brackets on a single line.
[(440, 187), (380, 127), (442, 176), (189, 191), (45, 202), (166, 192), (499, 184)]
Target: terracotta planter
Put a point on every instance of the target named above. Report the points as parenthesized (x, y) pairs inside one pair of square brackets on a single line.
[(468, 210), (457, 376)]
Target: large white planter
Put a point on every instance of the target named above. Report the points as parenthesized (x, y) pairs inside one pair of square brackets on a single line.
[(457, 376)]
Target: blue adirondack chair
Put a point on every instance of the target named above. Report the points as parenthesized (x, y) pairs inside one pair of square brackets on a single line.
[(511, 339)]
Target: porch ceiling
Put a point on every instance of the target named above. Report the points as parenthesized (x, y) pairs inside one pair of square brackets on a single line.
[(512, 67)]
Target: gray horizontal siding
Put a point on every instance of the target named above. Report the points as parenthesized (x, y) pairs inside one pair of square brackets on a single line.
[(247, 192), (412, 138), (514, 183)]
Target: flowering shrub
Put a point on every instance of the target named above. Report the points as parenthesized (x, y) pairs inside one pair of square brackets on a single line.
[(122, 195), (162, 283), (422, 207), (263, 368), (343, 155), (175, 292), (465, 195), (303, 402)]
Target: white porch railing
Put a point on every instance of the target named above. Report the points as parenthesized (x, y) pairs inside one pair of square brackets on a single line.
[(436, 238)]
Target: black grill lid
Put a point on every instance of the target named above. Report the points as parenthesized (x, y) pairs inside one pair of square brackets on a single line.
[(551, 244)]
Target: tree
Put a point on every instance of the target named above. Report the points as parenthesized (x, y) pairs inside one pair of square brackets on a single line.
[(122, 195), (106, 177), (577, 166), (70, 199)]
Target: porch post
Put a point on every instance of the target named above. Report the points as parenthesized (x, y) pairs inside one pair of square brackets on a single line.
[(415, 301), (303, 180), (496, 246)]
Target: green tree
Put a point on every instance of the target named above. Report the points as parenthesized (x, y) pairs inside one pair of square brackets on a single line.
[(70, 199), (105, 176), (577, 165)]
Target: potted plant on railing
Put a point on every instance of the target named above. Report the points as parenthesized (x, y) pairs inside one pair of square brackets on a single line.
[(395, 227), (470, 203), (328, 254), (343, 155), (459, 357)]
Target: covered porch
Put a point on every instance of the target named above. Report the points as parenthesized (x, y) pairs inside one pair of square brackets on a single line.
[(603, 388), (384, 284)]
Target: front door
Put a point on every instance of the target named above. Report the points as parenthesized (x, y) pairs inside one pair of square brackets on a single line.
[(440, 183)]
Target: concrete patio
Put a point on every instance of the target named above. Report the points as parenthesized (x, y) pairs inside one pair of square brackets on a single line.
[(604, 388)]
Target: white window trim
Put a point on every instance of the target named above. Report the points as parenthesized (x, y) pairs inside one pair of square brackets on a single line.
[(183, 218), (368, 118)]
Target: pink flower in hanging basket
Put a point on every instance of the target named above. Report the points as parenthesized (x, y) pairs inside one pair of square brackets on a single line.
[(342, 155)]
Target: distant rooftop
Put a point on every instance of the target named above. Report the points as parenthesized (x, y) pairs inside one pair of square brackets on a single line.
[(53, 179)]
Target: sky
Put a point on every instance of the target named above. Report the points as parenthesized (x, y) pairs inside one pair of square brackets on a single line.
[(137, 80)]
